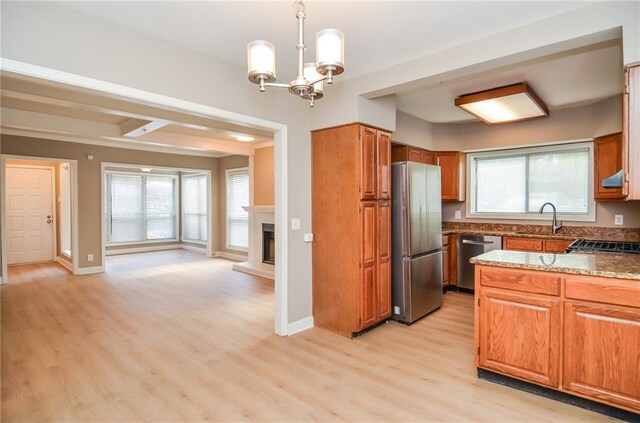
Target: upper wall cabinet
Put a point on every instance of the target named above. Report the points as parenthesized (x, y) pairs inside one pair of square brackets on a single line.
[(452, 165), (631, 133), (607, 152)]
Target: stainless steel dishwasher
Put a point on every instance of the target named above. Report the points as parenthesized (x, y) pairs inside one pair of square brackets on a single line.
[(470, 246)]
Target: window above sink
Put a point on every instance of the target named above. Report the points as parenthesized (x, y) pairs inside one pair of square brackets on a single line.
[(514, 183)]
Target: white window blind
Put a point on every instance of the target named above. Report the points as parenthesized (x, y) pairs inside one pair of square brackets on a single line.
[(515, 183), (237, 195), (139, 208), (194, 208)]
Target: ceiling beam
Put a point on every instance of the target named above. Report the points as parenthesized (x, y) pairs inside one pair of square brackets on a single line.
[(41, 123), (138, 127), (78, 100)]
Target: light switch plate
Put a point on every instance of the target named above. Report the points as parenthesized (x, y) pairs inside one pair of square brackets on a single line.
[(89, 257), (308, 237), (618, 219), (458, 214), (295, 224)]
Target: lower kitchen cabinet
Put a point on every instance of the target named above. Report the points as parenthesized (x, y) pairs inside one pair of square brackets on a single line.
[(601, 352), (573, 333), (448, 260), (527, 343)]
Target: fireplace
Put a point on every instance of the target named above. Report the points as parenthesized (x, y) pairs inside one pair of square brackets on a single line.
[(268, 243)]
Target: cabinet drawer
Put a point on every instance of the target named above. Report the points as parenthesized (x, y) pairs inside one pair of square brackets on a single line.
[(556, 246), (603, 290), (519, 280), (522, 244)]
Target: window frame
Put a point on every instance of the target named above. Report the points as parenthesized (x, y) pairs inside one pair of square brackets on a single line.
[(176, 200), (208, 212), (226, 209), (590, 216)]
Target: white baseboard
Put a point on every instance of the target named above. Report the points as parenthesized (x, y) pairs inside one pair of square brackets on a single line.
[(299, 326), (230, 256), (202, 249), (90, 270), (66, 263), (143, 249)]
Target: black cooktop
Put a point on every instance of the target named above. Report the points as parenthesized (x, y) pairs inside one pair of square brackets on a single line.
[(592, 246)]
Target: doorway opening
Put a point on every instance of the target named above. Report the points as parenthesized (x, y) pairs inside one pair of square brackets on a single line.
[(37, 211)]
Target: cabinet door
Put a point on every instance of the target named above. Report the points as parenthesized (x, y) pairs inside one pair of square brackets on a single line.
[(415, 154), (602, 352), (520, 336), (452, 176), (384, 260), (607, 161), (384, 164), (368, 173), (445, 265), (368, 288), (557, 246), (426, 157)]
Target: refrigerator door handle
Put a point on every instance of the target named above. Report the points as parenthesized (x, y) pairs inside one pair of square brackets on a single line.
[(468, 241)]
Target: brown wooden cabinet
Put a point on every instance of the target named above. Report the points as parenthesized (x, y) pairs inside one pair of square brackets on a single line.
[(573, 333), (631, 132), (527, 343), (426, 157), (557, 246), (351, 188), (607, 152), (606, 369), (452, 165), (446, 260)]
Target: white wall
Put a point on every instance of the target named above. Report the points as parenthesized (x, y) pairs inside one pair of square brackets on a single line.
[(412, 130)]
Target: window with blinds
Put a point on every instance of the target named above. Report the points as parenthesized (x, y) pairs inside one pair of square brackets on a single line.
[(194, 208), (237, 195), (139, 208), (515, 183)]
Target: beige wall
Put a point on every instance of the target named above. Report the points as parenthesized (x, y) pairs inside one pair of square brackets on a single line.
[(584, 122), (224, 163), (89, 195), (263, 181)]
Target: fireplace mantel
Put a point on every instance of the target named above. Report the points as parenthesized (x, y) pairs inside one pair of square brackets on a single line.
[(257, 216)]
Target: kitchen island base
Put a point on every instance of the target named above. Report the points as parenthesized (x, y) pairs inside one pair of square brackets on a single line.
[(553, 394)]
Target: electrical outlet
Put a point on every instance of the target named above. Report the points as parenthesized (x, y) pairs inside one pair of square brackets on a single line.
[(458, 214), (308, 237), (89, 257), (295, 224), (618, 219), (396, 310)]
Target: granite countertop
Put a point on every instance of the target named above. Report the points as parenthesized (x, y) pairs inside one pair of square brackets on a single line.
[(623, 266), (507, 233)]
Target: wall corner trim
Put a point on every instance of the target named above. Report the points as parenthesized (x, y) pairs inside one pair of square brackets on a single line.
[(90, 270), (300, 325)]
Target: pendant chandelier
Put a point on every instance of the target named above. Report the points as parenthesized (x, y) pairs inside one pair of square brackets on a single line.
[(261, 61)]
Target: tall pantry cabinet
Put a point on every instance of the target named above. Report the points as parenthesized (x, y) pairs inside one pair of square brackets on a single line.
[(352, 228)]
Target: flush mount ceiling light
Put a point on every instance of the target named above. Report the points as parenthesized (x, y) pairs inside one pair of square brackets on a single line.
[(146, 169), (261, 61), (505, 104), (244, 138)]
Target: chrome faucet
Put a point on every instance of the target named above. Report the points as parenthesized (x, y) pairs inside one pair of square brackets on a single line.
[(554, 222)]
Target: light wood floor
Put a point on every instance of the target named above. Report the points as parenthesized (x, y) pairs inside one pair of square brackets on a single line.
[(174, 336)]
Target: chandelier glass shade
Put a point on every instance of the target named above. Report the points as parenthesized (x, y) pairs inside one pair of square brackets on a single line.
[(309, 82)]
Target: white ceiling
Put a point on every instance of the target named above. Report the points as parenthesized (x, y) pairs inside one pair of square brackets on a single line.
[(378, 34), (573, 78)]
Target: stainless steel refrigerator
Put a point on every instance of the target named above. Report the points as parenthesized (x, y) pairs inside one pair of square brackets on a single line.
[(416, 248)]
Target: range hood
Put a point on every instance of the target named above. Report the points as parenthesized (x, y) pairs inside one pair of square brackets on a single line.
[(614, 181)]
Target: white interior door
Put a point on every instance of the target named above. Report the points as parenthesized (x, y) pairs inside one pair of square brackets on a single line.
[(29, 215)]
